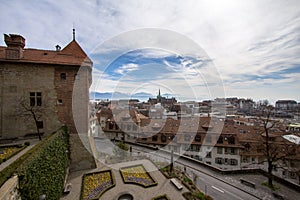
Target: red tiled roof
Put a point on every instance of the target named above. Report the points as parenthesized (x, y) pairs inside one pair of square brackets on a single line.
[(74, 49), (72, 54)]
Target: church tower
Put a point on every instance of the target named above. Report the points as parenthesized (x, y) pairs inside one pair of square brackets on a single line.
[(159, 96)]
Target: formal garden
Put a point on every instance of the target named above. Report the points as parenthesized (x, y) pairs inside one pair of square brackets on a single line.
[(95, 184)]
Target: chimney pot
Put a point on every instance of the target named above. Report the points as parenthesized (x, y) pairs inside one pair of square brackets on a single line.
[(14, 40), (58, 48), (15, 46)]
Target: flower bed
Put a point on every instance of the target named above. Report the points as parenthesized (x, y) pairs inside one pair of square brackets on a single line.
[(8, 152), (95, 184), (137, 175)]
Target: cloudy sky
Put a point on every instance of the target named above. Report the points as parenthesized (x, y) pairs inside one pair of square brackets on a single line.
[(190, 49)]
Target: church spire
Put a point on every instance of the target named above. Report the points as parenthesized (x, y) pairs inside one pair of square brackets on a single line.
[(158, 96)]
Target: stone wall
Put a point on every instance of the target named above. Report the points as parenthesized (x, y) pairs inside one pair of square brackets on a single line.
[(81, 151), (17, 81), (9, 190)]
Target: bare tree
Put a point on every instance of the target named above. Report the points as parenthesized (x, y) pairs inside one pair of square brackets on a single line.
[(33, 111), (274, 147)]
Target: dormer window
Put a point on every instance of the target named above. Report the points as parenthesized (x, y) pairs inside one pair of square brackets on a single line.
[(198, 138), (231, 140), (220, 140), (163, 138), (154, 138)]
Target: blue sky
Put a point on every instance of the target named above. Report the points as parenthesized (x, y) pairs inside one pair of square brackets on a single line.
[(246, 48)]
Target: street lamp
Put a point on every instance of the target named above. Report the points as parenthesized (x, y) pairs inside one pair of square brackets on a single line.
[(42, 197)]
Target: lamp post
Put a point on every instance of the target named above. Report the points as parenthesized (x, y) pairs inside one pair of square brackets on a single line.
[(42, 197)]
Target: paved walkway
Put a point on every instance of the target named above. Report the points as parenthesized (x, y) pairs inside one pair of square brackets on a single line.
[(164, 186), (33, 142), (261, 191)]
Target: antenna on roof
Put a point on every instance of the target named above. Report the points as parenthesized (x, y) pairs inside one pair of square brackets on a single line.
[(73, 32)]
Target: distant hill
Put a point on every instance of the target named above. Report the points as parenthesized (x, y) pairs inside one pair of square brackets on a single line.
[(142, 96)]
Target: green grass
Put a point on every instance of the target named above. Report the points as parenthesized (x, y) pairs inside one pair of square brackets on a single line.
[(272, 187)]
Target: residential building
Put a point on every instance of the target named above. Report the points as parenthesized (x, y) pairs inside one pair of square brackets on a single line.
[(286, 105), (230, 144)]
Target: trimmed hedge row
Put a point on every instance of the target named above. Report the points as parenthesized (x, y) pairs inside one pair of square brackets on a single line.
[(8, 172), (43, 172)]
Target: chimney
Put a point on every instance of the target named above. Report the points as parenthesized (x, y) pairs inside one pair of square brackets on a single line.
[(15, 46), (58, 48)]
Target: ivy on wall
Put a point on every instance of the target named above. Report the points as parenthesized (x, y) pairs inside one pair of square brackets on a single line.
[(44, 171)]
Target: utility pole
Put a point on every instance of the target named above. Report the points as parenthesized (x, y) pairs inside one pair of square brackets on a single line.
[(171, 164)]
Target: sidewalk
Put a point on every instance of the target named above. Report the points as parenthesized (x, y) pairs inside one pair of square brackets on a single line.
[(261, 191), (33, 142)]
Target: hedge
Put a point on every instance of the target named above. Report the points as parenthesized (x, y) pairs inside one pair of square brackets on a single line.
[(44, 171)]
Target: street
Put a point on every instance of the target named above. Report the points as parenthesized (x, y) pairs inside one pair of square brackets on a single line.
[(207, 183)]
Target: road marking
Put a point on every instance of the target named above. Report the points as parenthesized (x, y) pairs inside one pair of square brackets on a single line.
[(233, 195), (217, 189)]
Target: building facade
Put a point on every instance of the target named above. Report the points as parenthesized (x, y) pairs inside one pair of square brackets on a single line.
[(44, 81)]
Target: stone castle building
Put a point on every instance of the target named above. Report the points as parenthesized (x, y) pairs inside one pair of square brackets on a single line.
[(54, 82)]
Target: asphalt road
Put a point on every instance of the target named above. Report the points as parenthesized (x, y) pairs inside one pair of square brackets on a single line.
[(212, 186)]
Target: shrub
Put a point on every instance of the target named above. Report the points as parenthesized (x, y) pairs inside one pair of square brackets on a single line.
[(26, 143), (186, 179), (200, 195)]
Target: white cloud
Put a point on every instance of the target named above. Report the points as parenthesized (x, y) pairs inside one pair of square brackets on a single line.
[(127, 68), (241, 37)]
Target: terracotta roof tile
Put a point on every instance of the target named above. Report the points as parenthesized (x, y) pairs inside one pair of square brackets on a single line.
[(74, 49), (72, 54)]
